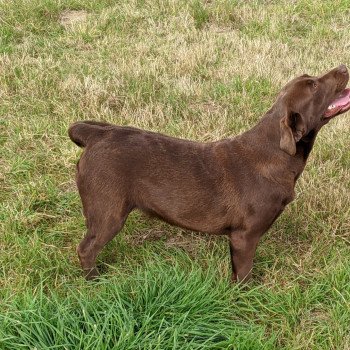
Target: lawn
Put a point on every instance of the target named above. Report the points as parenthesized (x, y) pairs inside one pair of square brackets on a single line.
[(191, 69)]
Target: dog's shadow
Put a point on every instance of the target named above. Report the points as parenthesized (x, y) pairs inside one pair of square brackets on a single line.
[(142, 235)]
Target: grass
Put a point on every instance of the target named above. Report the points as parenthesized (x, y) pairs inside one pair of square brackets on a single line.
[(191, 69)]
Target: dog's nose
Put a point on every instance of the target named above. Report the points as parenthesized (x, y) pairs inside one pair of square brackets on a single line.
[(342, 69)]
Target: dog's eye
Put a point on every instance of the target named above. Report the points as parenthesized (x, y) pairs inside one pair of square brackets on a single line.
[(312, 83)]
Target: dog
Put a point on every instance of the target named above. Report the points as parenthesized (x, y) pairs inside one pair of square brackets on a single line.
[(236, 186)]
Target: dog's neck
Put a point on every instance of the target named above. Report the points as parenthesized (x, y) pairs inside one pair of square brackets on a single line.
[(264, 139), (268, 131)]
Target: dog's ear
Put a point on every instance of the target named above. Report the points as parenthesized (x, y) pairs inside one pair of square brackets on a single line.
[(292, 128)]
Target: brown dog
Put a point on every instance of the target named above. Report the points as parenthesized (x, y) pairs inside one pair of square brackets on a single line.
[(237, 186)]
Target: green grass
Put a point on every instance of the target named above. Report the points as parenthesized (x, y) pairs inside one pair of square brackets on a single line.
[(191, 69)]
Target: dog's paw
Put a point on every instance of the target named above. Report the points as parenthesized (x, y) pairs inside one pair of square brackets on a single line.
[(91, 274)]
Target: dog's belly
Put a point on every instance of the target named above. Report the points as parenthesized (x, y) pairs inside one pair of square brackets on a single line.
[(200, 223), (195, 209)]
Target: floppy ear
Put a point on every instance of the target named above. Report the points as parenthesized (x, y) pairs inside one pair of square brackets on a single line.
[(292, 130)]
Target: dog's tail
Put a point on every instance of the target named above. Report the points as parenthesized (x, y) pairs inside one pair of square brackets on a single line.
[(87, 132)]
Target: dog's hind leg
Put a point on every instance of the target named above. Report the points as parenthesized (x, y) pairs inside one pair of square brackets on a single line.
[(102, 226)]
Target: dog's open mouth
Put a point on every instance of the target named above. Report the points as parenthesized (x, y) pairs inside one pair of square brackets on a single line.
[(340, 105)]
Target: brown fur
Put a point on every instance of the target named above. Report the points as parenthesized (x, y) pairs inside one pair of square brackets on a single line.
[(237, 186)]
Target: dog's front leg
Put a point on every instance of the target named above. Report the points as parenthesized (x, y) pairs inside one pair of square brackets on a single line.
[(242, 248)]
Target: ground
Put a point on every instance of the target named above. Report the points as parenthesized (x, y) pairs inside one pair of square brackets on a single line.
[(191, 69)]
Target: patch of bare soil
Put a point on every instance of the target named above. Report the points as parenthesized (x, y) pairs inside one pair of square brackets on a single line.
[(186, 240), (70, 17)]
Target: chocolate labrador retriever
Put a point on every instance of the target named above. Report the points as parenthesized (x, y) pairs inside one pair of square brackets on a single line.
[(236, 187)]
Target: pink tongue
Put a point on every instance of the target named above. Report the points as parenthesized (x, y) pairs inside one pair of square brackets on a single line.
[(342, 100)]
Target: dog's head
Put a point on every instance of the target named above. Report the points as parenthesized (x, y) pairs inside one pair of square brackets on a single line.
[(307, 103)]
